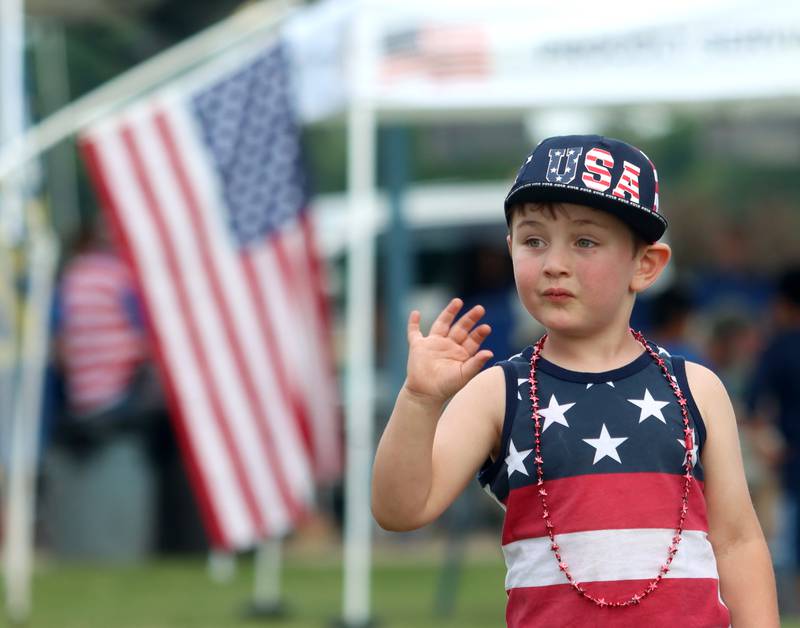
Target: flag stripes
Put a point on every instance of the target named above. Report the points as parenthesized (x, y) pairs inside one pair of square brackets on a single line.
[(266, 459), (205, 184), (205, 438)]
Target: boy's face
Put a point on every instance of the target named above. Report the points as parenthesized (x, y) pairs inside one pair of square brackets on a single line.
[(573, 266)]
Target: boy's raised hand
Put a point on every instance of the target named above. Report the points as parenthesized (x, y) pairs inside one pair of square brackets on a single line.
[(441, 363)]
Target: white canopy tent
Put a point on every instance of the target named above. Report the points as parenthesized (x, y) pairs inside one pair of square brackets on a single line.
[(378, 61)]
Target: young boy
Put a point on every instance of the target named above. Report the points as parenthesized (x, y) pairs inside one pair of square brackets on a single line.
[(617, 464)]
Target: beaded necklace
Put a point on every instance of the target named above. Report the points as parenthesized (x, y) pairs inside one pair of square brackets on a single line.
[(687, 475)]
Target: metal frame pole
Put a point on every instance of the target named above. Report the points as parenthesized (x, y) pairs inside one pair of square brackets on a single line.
[(360, 329)]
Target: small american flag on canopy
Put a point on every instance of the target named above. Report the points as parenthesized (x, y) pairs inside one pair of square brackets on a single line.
[(205, 183)]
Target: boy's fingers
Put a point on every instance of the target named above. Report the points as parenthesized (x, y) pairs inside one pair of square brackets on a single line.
[(464, 325), (476, 337), (474, 365), (446, 317), (413, 326)]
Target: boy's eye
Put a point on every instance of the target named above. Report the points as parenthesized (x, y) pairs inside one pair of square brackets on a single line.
[(534, 243), (585, 243)]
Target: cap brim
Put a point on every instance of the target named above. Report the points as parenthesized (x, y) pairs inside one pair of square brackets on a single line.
[(648, 224)]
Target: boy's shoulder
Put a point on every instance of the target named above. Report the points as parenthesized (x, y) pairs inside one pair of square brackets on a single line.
[(708, 391), (482, 401), (703, 378), (488, 385), (518, 361)]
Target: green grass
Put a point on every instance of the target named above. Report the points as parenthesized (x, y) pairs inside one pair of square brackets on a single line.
[(178, 594)]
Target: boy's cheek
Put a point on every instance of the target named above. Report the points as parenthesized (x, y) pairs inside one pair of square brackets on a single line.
[(525, 279)]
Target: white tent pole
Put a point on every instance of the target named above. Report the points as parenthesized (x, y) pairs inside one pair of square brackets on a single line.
[(360, 326), (221, 566), (247, 23), (16, 501), (12, 106), (11, 123), (267, 578), (19, 516)]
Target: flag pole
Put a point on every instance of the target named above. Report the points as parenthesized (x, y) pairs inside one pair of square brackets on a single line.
[(360, 328)]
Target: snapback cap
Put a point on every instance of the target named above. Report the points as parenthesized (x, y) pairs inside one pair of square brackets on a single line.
[(596, 171)]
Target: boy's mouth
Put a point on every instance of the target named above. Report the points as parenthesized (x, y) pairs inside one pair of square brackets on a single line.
[(557, 294)]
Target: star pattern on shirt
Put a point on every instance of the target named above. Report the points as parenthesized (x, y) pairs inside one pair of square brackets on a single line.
[(554, 413), (590, 384), (649, 407), (605, 445), (695, 448), (612, 421), (515, 460)]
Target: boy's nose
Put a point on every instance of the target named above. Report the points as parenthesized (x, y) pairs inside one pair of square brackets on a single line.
[(555, 263)]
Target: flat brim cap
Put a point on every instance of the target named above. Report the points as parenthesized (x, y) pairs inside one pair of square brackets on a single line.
[(596, 171)]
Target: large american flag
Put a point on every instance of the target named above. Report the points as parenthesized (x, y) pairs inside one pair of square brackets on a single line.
[(206, 185)]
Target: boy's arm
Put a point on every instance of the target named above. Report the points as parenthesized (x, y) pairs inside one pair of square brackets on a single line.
[(746, 577), (423, 461)]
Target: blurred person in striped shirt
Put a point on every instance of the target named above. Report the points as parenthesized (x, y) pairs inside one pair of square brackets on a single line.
[(101, 478), (100, 334)]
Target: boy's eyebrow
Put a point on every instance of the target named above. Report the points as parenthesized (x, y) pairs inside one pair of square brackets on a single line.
[(588, 221), (529, 222)]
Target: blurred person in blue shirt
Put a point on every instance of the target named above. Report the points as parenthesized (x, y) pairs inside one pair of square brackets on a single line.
[(730, 283), (773, 396), (487, 280), (670, 315)]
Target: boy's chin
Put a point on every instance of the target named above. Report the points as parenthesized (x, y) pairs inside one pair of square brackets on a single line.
[(555, 318), (560, 326), (566, 325)]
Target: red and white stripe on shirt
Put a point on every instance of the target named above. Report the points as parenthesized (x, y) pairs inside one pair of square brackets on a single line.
[(101, 344)]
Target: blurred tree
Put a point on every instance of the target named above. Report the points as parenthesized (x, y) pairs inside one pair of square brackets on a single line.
[(106, 37), (99, 39)]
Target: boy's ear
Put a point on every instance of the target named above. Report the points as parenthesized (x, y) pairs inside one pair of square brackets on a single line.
[(508, 241), (650, 262)]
